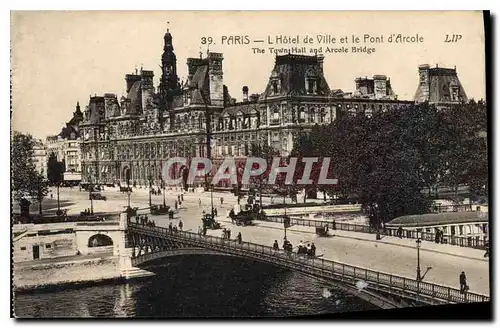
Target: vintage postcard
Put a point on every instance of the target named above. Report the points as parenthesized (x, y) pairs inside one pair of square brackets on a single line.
[(186, 164)]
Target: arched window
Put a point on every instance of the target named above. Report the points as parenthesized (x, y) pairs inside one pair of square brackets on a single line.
[(312, 115), (302, 115)]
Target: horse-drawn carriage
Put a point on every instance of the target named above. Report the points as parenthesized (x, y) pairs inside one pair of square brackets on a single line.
[(209, 222), (322, 231), (125, 189), (131, 211), (97, 196), (159, 209)]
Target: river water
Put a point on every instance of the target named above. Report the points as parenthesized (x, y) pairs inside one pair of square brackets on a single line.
[(196, 286)]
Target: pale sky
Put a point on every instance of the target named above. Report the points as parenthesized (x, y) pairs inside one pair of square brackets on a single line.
[(59, 58)]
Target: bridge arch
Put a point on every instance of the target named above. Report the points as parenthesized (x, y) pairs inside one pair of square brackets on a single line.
[(146, 262), (100, 240)]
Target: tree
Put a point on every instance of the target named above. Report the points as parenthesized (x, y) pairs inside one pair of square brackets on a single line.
[(55, 170), (39, 190), (23, 170)]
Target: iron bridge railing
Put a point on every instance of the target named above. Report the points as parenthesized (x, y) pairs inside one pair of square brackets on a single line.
[(472, 241), (319, 267)]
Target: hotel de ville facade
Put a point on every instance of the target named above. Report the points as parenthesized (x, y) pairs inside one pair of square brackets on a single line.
[(129, 138)]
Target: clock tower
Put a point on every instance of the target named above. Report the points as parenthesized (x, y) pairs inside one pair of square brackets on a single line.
[(169, 82)]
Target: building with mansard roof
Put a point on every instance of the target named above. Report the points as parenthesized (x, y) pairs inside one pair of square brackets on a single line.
[(128, 139), (439, 86)]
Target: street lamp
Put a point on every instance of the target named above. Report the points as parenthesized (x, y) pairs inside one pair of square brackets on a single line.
[(128, 193), (90, 196), (150, 178), (419, 277), (163, 187), (377, 237)]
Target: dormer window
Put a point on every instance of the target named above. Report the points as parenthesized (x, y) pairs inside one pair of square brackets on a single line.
[(275, 83), (311, 82), (455, 93)]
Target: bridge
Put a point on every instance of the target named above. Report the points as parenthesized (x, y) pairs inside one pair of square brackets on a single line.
[(143, 244)]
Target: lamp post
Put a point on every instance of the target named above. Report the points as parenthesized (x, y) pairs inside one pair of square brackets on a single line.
[(58, 206), (377, 237), (150, 178), (90, 196), (419, 277), (128, 194), (211, 198), (163, 187)]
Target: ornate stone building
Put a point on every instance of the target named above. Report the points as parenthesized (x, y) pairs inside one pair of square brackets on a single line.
[(66, 145), (130, 138)]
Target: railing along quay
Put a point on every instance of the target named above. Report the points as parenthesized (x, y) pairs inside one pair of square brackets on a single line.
[(472, 242), (319, 267)]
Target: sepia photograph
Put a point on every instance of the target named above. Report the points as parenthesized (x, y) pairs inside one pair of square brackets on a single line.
[(249, 164)]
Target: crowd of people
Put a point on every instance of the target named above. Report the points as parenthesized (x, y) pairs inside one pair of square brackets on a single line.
[(144, 220), (309, 250)]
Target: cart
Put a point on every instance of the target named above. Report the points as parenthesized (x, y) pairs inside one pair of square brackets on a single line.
[(322, 231), (209, 222)]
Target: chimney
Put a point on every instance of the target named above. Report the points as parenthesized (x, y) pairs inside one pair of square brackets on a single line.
[(321, 59), (131, 79), (245, 93), (380, 86)]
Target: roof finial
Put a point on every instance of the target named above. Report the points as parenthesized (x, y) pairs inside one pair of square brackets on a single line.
[(142, 66), (168, 25)]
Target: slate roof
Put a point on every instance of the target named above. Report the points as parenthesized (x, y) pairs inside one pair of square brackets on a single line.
[(291, 70), (438, 219), (440, 81)]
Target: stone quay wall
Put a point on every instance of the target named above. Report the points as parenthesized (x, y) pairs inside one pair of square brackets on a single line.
[(38, 276)]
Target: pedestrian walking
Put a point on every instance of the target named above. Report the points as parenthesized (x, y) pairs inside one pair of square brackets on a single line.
[(313, 250), (463, 283), (222, 200), (215, 211), (228, 233), (170, 228), (182, 197), (51, 196), (199, 202), (180, 225), (276, 247), (400, 232), (239, 238), (179, 198), (224, 233), (175, 204), (487, 247)]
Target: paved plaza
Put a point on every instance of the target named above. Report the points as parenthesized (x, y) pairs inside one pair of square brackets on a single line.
[(390, 255)]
